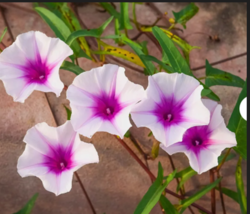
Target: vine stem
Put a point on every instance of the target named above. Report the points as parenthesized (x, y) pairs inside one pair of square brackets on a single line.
[(213, 205), (221, 194), (85, 192), (223, 160), (151, 175)]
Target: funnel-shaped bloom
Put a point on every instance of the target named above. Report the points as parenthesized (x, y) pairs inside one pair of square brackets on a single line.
[(203, 144), (31, 63), (173, 104), (53, 154), (101, 100)]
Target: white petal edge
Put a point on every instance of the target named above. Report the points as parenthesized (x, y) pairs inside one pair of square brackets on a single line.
[(19, 89), (57, 183), (30, 163), (41, 137)]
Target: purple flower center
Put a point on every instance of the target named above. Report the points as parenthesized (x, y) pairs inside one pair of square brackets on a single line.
[(197, 138), (168, 111), (36, 71), (59, 159), (106, 106), (197, 142), (168, 117)]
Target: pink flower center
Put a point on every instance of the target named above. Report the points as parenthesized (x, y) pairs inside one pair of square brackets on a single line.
[(168, 117), (197, 142), (36, 71), (109, 111), (168, 111), (106, 106), (59, 159)]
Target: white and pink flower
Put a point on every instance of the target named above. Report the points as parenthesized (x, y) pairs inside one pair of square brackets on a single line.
[(172, 105), (101, 100), (53, 155), (204, 144), (31, 63)]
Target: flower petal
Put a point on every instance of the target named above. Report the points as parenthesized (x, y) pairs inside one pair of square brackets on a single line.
[(53, 83), (221, 138), (79, 97), (18, 88), (84, 121), (119, 125), (88, 82), (195, 113), (52, 49), (57, 183), (161, 85), (31, 163), (107, 78), (185, 86), (66, 134), (41, 137), (84, 153), (202, 161), (174, 148), (172, 133), (142, 113), (126, 88)]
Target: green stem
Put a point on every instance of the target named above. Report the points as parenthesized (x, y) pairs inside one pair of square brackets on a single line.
[(134, 17), (223, 160), (201, 78)]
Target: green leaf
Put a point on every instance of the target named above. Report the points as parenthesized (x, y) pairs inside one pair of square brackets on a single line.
[(69, 66), (208, 92), (167, 206), (3, 34), (230, 193), (150, 133), (68, 111), (111, 10), (185, 14), (238, 125), (155, 149), (117, 32), (187, 173), (127, 40), (143, 44), (185, 47), (149, 65), (124, 17), (57, 25), (205, 92), (188, 201), (215, 76), (28, 207), (127, 134), (240, 188), (93, 32), (167, 68), (154, 192), (176, 60)]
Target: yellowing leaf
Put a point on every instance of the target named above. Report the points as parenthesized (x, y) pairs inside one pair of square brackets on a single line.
[(121, 53), (181, 43)]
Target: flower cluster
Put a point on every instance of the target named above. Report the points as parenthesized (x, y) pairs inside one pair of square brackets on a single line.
[(102, 100)]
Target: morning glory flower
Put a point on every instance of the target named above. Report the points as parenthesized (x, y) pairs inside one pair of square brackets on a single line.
[(31, 63), (204, 144), (172, 105), (53, 154), (101, 100)]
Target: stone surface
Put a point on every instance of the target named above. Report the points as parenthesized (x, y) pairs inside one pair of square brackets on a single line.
[(117, 183)]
